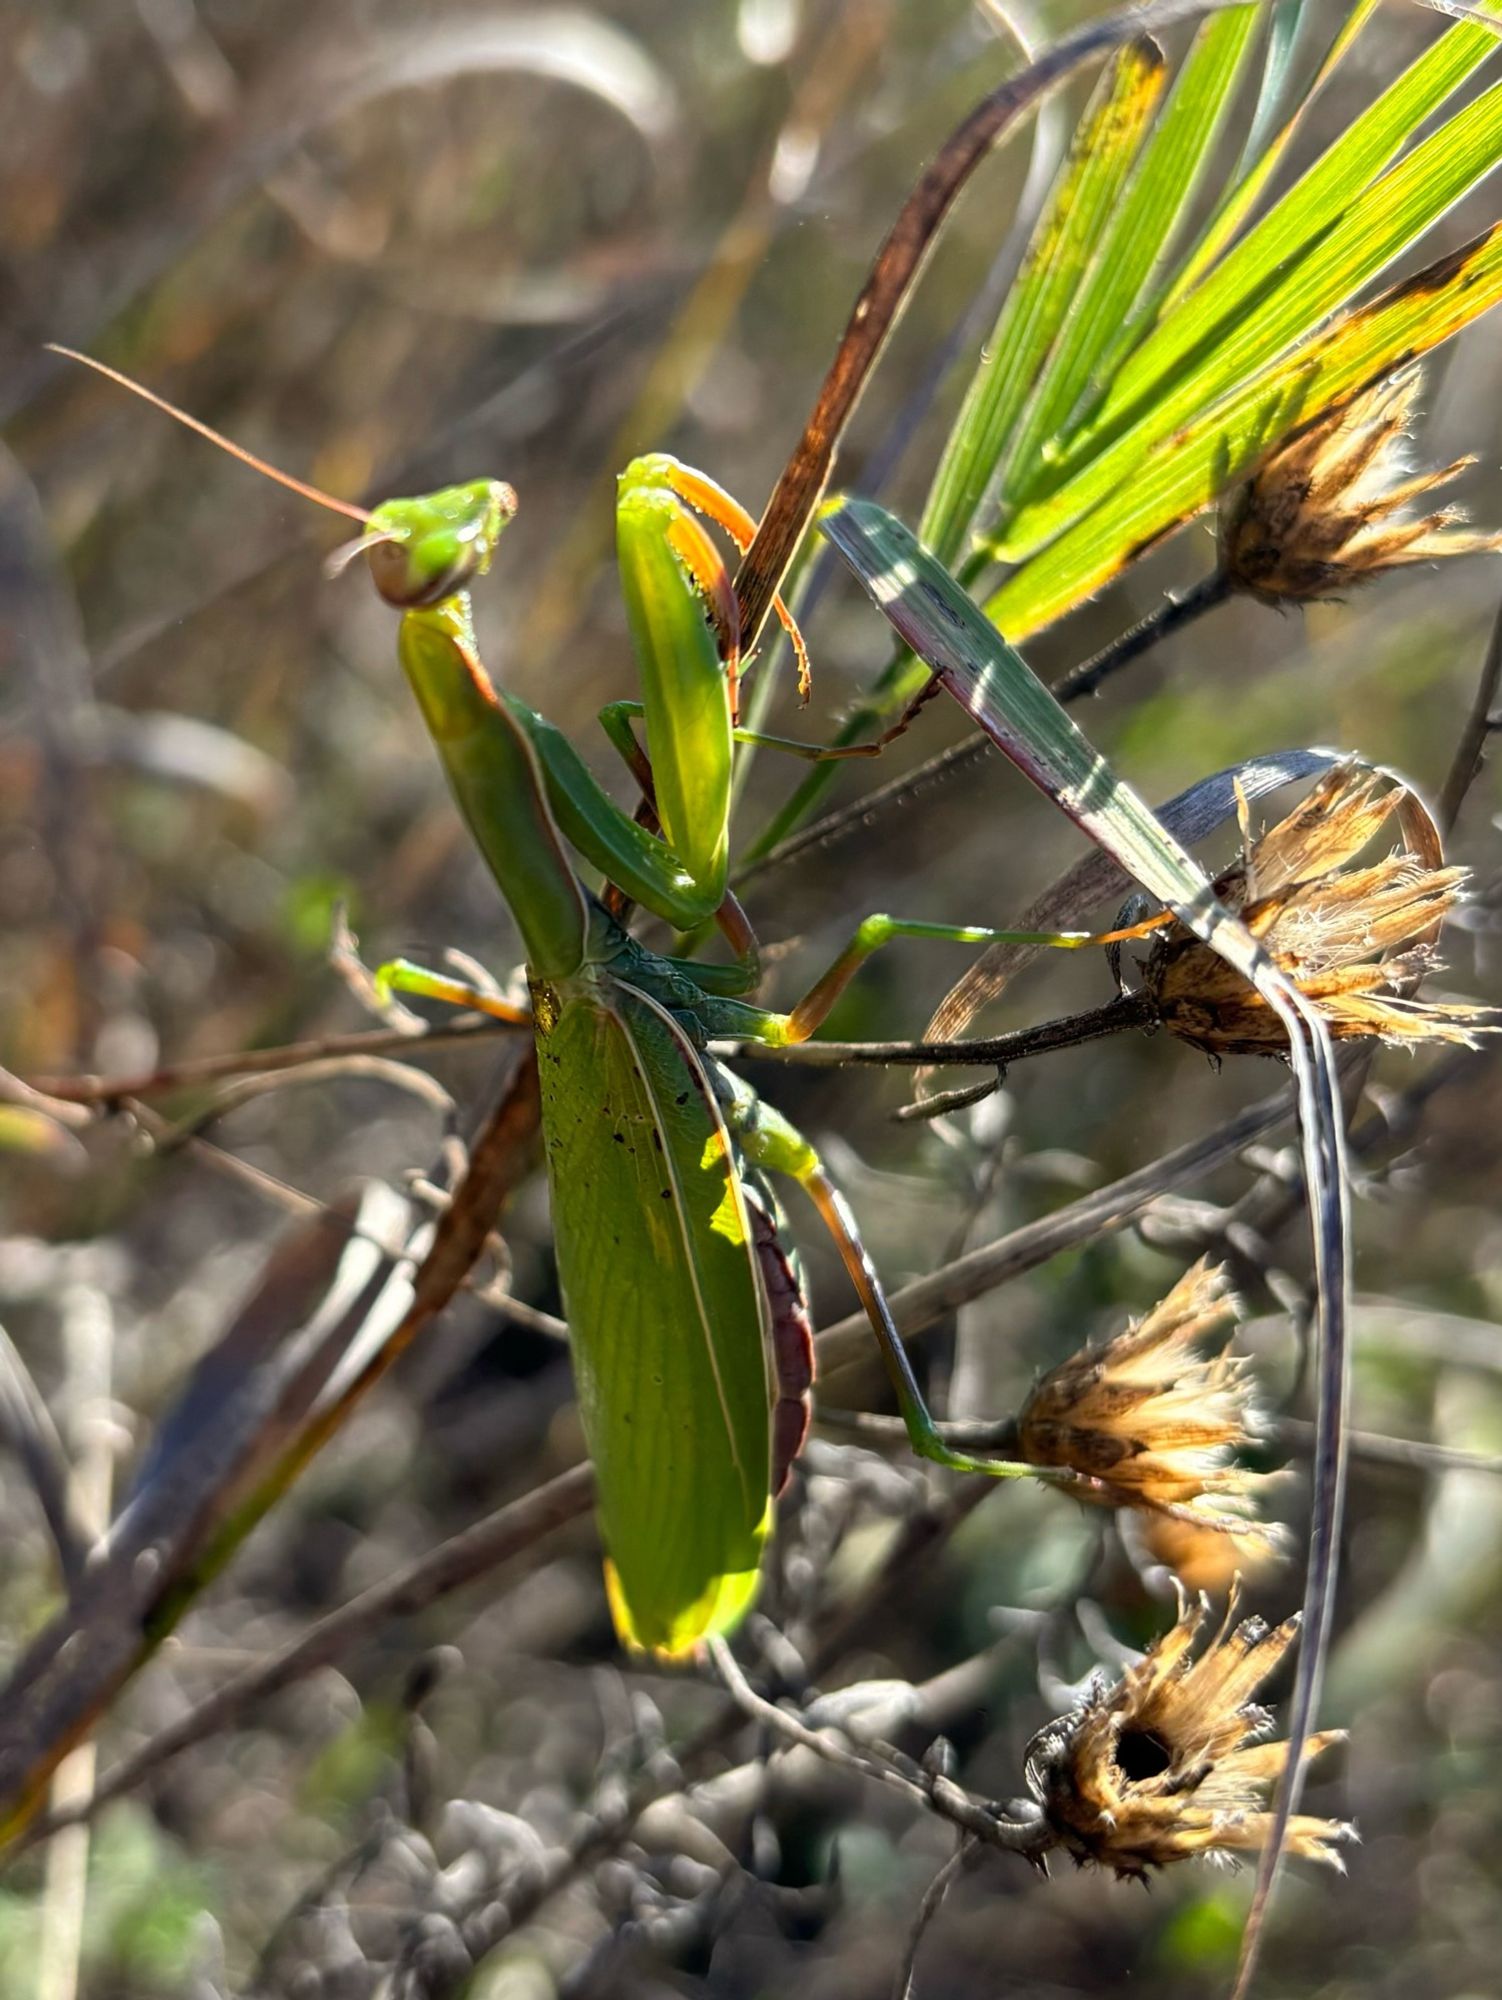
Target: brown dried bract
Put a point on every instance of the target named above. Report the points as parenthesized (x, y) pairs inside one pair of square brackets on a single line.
[(1170, 1762), (1212, 1559), (1353, 939), (1330, 509), (1147, 1422)]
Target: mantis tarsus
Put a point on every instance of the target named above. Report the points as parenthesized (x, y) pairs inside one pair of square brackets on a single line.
[(690, 1341)]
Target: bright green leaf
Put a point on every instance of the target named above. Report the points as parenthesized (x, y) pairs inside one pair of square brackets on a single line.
[(1068, 230), (1260, 162), (1331, 234), (1185, 472), (1139, 234)]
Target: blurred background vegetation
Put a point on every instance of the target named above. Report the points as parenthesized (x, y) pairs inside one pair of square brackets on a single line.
[(388, 246)]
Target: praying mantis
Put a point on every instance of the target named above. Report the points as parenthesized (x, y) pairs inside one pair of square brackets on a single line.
[(691, 1343)]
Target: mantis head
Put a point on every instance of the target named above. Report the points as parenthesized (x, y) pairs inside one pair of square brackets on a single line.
[(421, 551)]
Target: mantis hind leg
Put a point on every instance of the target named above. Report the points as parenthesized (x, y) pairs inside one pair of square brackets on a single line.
[(877, 931), (770, 1143)]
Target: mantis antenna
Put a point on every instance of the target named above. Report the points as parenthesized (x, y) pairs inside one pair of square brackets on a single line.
[(249, 458)]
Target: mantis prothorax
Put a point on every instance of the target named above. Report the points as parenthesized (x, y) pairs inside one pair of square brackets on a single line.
[(691, 1345)]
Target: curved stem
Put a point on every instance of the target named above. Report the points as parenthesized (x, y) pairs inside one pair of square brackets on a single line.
[(1171, 614)]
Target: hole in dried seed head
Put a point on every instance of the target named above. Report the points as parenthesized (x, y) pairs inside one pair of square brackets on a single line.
[(1141, 1754)]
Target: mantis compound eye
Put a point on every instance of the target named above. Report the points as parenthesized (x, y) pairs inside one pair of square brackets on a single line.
[(405, 579)]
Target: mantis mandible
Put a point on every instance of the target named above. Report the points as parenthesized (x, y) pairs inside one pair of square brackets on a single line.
[(691, 1343)]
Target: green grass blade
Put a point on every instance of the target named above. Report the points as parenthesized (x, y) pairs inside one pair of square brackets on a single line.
[(930, 611), (932, 614), (1331, 234), (1285, 31), (1068, 229), (1138, 237), (1184, 473), (1262, 157)]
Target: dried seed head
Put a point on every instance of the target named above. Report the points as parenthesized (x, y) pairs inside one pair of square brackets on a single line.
[(1352, 939), (1170, 1763), (1208, 1559), (1147, 1422), (1331, 509)]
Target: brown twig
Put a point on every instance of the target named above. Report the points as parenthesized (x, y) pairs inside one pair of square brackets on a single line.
[(1127, 1010), (935, 1793), (188, 1075), (1480, 723)]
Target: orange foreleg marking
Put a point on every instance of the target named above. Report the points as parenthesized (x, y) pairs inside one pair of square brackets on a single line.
[(710, 499), (701, 559)]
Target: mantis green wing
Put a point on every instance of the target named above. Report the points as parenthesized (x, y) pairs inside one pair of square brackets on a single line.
[(665, 1310)]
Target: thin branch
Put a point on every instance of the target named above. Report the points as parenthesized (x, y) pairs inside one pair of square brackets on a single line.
[(966, 1434), (113, 1090), (1412, 1454), (1127, 1010), (1028, 1837), (1481, 723), (972, 750), (325, 1069), (928, 1908), (862, 811), (282, 1194), (1000, 1435), (33, 1097), (1171, 615)]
